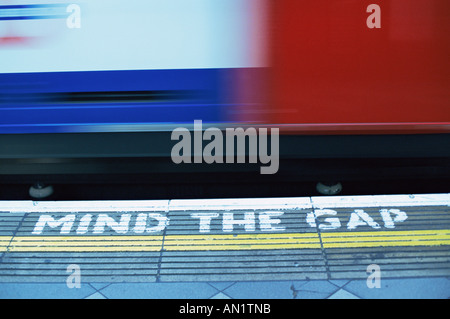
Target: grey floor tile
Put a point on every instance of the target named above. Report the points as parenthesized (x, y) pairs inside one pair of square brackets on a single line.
[(43, 291), (99, 285), (315, 289), (339, 282), (96, 295), (343, 294), (220, 295), (261, 290), (221, 285), (404, 288), (159, 291)]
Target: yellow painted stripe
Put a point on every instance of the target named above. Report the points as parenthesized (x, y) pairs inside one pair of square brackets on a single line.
[(205, 242), (244, 236), (85, 238), (172, 242), (386, 238), (85, 243), (242, 247), (386, 244), (4, 243), (385, 233), (85, 249), (242, 241)]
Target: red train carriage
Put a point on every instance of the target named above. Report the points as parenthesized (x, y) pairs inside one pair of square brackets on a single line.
[(368, 67)]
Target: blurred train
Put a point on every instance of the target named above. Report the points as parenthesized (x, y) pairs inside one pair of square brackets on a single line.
[(91, 91)]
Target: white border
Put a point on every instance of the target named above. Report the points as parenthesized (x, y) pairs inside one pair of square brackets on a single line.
[(226, 204), (83, 206), (382, 200), (241, 204)]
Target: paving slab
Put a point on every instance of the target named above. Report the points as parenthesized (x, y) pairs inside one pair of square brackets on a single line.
[(262, 290), (343, 294), (159, 291), (405, 288), (43, 291)]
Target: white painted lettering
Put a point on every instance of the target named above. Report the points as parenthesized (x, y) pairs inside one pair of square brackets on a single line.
[(333, 222), (386, 214), (361, 218), (66, 222), (248, 222), (104, 220), (141, 223), (266, 221), (205, 220), (84, 224)]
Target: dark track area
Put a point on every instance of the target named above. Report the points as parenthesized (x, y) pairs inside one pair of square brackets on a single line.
[(138, 166), (192, 189), (244, 190)]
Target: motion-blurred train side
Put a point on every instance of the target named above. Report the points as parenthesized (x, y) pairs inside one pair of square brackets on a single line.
[(90, 92)]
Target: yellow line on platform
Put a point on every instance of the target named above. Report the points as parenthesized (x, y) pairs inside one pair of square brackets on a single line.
[(85, 243), (242, 241), (4, 243), (386, 238), (387, 233), (205, 242)]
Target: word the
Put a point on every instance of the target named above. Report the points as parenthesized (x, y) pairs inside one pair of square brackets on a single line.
[(213, 152)]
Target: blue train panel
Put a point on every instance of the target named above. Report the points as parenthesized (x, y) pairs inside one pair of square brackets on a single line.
[(104, 66), (87, 101)]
